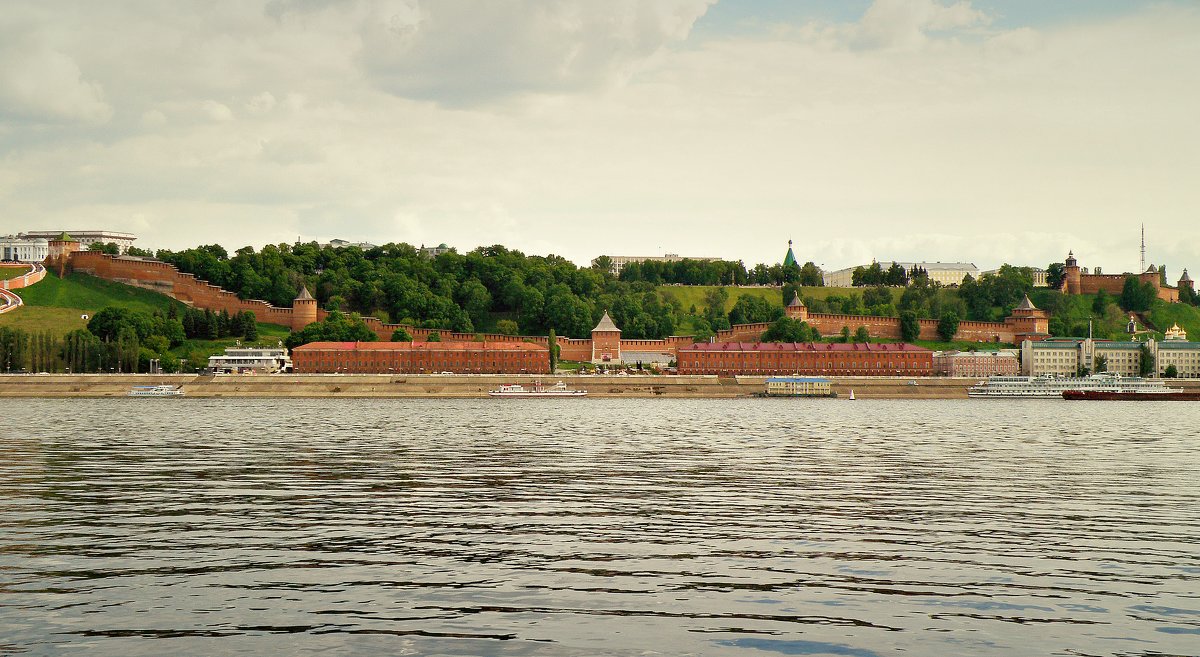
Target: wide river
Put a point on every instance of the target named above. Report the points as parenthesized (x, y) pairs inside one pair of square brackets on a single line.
[(599, 527)]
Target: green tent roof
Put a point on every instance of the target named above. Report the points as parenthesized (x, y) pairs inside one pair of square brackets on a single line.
[(790, 258)]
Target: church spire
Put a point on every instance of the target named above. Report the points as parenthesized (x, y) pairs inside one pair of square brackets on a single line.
[(790, 258)]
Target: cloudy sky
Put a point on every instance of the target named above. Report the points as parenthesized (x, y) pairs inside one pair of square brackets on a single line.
[(981, 130)]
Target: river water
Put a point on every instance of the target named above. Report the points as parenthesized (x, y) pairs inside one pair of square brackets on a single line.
[(599, 527)]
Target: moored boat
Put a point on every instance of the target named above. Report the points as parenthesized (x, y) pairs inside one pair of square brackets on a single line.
[(1171, 394), (1053, 387), (537, 389), (156, 391)]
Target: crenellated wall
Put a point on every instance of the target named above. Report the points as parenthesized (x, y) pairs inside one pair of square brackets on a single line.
[(166, 279), (886, 328)]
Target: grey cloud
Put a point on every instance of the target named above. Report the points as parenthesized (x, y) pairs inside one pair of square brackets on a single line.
[(41, 84), (458, 52)]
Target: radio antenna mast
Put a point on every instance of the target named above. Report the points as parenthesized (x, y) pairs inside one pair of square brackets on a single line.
[(1143, 263)]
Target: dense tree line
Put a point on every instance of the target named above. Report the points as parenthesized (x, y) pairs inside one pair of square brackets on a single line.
[(893, 276), (715, 272), (121, 340), (463, 293)]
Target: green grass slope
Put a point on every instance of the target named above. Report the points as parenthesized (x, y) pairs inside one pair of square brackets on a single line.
[(88, 293), (58, 305)]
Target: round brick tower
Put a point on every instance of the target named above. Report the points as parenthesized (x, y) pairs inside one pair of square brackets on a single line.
[(304, 310), (1071, 279)]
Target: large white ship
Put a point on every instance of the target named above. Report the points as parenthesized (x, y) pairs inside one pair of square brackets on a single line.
[(559, 389), (1052, 387)]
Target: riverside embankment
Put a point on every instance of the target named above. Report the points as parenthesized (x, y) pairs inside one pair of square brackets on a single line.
[(427, 385)]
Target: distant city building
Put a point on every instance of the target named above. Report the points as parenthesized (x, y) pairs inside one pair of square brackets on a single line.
[(1066, 356), (946, 273), (24, 249), (976, 363), (339, 244), (421, 358), (86, 238), (434, 251), (618, 262), (266, 360), (824, 359), (799, 386), (1039, 275)]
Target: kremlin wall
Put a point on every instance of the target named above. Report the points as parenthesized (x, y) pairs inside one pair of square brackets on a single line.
[(605, 344)]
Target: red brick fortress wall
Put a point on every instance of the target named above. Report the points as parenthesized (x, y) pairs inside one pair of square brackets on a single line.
[(165, 278)]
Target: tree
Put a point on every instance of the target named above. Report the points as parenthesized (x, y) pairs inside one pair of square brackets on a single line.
[(336, 327), (810, 276), (1055, 275), (862, 335), (506, 327), (552, 345), (1101, 302), (1146, 362), (845, 334), (602, 264), (434, 336), (877, 295), (786, 329), (1101, 364), (896, 276), (910, 327), (948, 325), (400, 335), (1137, 296), (1171, 372)]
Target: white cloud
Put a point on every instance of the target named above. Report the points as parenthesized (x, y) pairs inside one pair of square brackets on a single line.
[(578, 128), (41, 84), (462, 52), (906, 23)]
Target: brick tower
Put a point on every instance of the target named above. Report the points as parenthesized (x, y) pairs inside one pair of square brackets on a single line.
[(1071, 279), (1028, 322), (606, 341), (59, 257), (796, 309), (304, 310)]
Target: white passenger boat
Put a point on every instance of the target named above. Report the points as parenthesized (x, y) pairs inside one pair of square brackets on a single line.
[(156, 391), (537, 389), (1053, 387)]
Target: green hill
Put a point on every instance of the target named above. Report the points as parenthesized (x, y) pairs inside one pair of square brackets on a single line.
[(59, 305)]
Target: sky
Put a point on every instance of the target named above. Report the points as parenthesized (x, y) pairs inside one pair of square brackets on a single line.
[(985, 131)]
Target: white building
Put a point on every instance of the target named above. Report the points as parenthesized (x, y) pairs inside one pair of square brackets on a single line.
[(946, 273), (341, 244), (433, 251), (618, 262), (1064, 357), (86, 238), (24, 249), (265, 360)]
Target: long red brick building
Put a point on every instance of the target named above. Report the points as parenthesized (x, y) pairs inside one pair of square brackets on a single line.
[(421, 358), (754, 358)]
